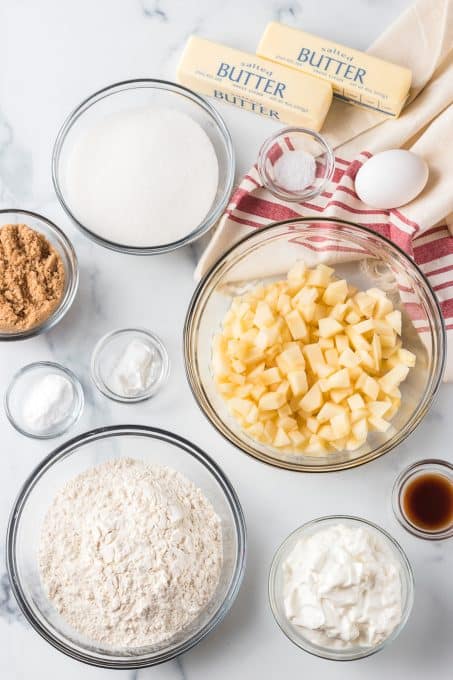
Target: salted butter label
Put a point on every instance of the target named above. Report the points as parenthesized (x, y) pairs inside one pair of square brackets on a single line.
[(355, 76), (252, 77), (254, 84), (334, 65)]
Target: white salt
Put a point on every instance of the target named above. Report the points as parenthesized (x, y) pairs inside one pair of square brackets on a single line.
[(143, 177), (295, 170)]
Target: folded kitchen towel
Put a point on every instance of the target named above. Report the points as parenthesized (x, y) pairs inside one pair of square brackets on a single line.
[(422, 40)]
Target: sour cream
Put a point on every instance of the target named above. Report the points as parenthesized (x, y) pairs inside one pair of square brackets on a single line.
[(342, 587)]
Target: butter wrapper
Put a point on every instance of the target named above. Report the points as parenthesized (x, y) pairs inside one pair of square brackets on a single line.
[(356, 77), (254, 84)]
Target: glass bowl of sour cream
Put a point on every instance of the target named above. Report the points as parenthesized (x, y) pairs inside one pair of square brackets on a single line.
[(341, 588), (144, 166)]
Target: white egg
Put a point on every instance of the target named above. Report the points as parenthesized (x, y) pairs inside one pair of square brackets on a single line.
[(391, 179)]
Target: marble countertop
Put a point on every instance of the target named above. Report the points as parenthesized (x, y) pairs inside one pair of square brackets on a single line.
[(54, 54)]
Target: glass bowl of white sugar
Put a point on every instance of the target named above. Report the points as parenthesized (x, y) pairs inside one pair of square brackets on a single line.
[(126, 547), (341, 588), (144, 166)]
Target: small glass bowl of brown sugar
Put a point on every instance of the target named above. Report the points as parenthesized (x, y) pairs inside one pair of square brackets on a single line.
[(39, 274), (422, 499)]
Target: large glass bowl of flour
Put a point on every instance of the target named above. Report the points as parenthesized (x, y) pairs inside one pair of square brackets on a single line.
[(77, 456), (144, 166)]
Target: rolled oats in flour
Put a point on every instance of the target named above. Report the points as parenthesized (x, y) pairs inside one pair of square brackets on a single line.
[(130, 552)]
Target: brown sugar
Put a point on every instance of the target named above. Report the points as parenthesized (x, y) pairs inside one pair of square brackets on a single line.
[(32, 278)]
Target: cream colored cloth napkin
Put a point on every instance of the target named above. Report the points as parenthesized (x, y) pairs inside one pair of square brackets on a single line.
[(421, 39)]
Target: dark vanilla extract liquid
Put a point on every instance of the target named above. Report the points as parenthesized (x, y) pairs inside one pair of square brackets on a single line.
[(427, 501)]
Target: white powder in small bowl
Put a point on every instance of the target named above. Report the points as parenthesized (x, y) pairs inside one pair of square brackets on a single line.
[(295, 170), (48, 403), (143, 177)]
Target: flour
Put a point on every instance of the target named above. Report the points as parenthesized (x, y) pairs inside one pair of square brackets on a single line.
[(130, 553)]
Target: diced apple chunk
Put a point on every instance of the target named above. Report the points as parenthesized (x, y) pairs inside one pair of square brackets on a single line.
[(314, 356), (241, 406), (355, 402), (340, 395), (341, 343), (298, 382), (270, 376), (360, 429), (297, 438), (313, 400), (290, 359), (271, 401), (365, 303), (407, 358), (313, 424), (320, 276), (348, 358), (281, 438), (297, 272), (329, 327), (335, 293), (339, 379), (341, 425), (394, 319), (296, 325), (378, 424), (328, 411), (393, 378)]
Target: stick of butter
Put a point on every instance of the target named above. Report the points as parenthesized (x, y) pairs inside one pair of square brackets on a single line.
[(254, 84), (356, 77)]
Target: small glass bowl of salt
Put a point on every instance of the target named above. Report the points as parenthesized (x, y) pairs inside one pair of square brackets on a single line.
[(296, 164), (129, 365), (44, 400)]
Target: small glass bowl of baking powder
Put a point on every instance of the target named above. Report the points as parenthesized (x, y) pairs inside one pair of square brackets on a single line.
[(296, 164), (44, 400), (276, 587), (130, 365)]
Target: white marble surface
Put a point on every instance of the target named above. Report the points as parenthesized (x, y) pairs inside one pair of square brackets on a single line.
[(54, 53)]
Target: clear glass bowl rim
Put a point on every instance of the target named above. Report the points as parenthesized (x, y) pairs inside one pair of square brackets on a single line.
[(439, 360), (295, 196), (70, 447), (153, 83), (152, 390), (72, 278), (342, 655), (401, 480), (75, 382)]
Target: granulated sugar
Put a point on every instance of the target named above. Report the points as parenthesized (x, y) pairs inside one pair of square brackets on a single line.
[(130, 553), (142, 177)]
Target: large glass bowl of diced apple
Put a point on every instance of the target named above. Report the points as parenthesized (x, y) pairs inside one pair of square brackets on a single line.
[(314, 345)]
